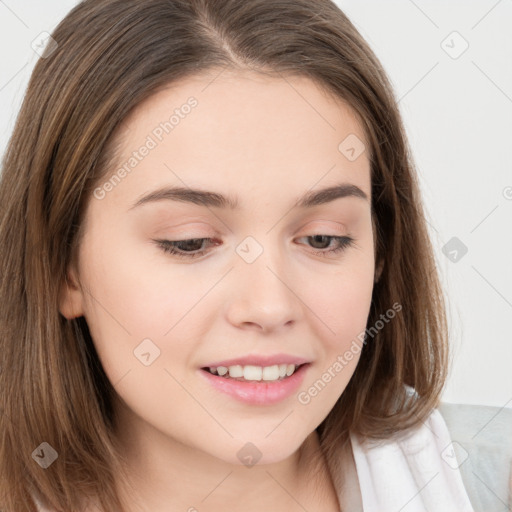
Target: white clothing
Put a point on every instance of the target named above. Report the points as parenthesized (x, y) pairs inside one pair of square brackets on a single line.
[(418, 473)]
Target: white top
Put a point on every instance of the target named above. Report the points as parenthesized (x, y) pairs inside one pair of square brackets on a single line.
[(418, 473)]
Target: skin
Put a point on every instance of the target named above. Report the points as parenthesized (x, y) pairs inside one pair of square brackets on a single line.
[(266, 141)]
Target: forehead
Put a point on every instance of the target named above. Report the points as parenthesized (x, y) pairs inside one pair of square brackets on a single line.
[(248, 130)]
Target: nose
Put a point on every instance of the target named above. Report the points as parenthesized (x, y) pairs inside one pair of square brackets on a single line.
[(265, 296)]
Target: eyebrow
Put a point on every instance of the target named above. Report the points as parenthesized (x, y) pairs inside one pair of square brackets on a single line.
[(217, 200)]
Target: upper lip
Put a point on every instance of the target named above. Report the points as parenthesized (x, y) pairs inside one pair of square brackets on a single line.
[(259, 360)]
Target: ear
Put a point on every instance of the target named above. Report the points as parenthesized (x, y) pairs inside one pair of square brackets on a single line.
[(70, 295)]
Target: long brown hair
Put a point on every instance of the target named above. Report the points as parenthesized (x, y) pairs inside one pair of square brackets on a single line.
[(110, 56)]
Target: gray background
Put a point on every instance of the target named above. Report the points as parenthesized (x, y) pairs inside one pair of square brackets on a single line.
[(457, 108)]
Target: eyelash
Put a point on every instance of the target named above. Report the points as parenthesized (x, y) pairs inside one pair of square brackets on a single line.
[(167, 246)]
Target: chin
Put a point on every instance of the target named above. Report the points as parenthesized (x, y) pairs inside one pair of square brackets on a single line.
[(261, 451)]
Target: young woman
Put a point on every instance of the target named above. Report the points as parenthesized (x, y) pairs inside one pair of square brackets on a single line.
[(218, 290)]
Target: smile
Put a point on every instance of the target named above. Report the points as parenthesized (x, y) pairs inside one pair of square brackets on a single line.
[(256, 390), (252, 373)]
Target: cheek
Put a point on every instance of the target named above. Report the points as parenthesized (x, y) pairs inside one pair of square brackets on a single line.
[(341, 300), (126, 289), (342, 304), (134, 298)]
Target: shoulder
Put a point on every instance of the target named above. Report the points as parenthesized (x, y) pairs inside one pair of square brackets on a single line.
[(414, 470), (482, 443)]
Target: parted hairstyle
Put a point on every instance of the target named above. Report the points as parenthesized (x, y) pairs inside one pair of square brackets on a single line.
[(110, 56)]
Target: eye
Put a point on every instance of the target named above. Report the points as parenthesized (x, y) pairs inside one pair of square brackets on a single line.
[(182, 248), (341, 243), (191, 248)]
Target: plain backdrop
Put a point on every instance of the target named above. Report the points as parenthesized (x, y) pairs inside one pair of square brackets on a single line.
[(450, 63)]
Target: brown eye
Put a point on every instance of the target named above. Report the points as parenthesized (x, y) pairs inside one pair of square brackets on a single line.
[(190, 248), (342, 242)]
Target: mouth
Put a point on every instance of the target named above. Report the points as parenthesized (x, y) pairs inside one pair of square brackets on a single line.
[(256, 385), (251, 373)]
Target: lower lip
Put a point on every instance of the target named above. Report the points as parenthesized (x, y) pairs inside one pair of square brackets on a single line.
[(258, 392)]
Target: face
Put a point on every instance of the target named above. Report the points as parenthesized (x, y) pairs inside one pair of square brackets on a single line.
[(269, 282)]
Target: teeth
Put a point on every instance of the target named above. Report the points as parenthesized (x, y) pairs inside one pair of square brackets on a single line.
[(270, 372), (258, 373), (252, 372), (236, 371)]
